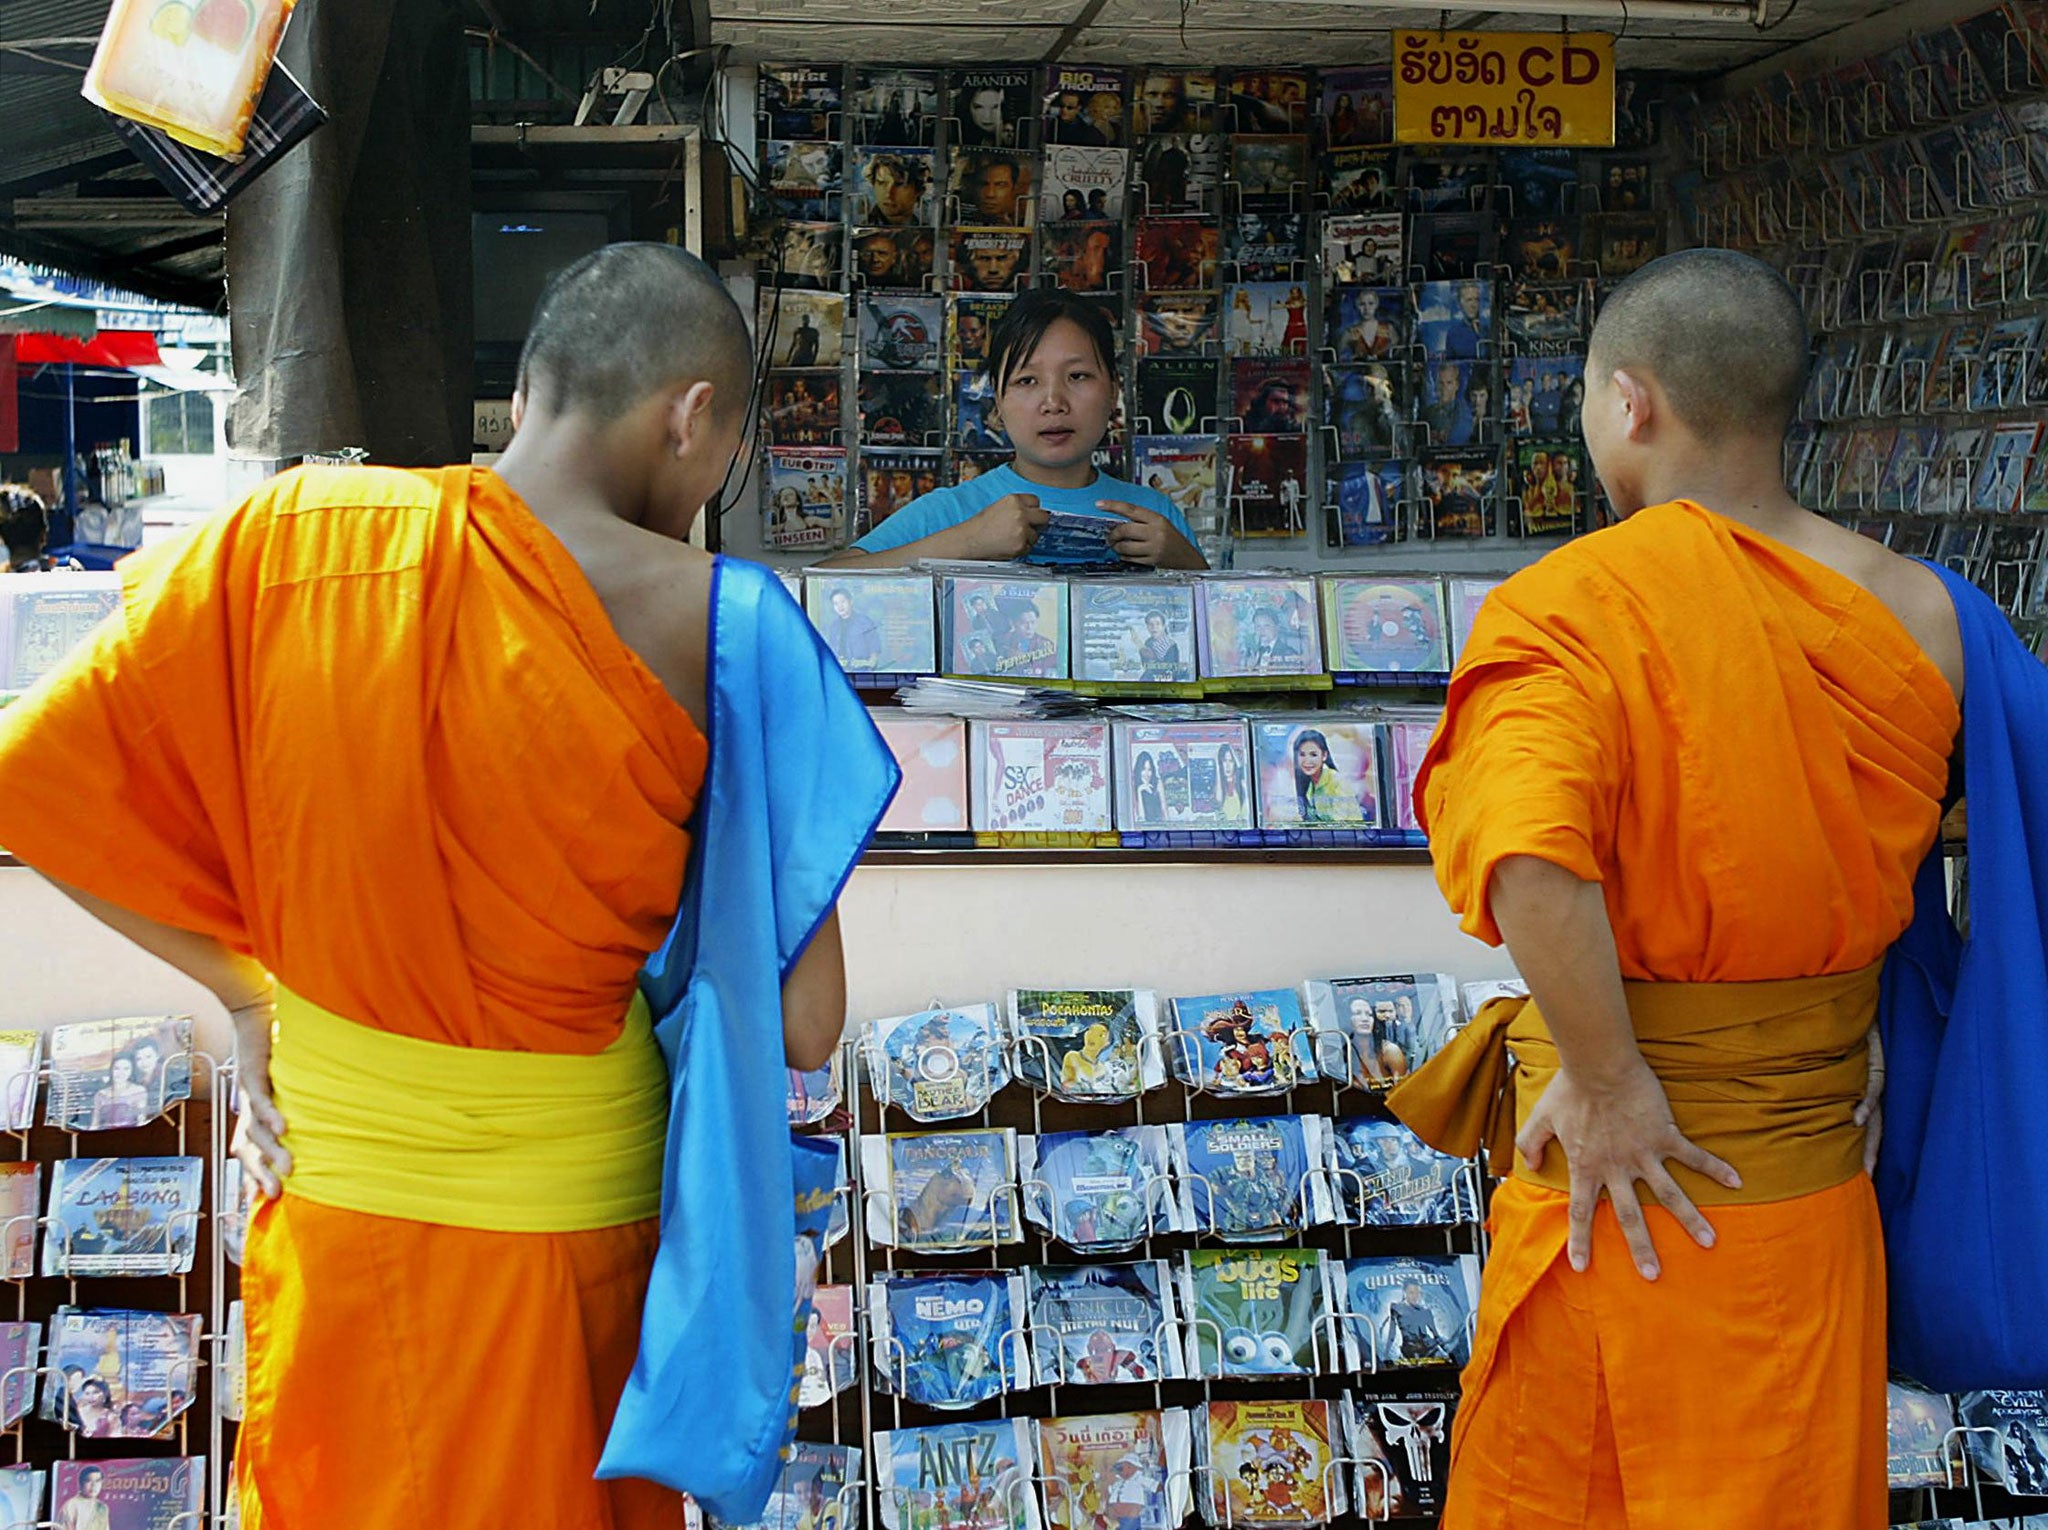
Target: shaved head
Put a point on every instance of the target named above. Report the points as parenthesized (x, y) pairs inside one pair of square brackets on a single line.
[(1722, 334), (628, 320)]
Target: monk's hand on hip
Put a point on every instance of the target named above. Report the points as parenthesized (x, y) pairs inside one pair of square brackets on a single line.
[(259, 1125), (1616, 1131)]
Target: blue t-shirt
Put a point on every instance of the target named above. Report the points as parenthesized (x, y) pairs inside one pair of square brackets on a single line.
[(942, 509)]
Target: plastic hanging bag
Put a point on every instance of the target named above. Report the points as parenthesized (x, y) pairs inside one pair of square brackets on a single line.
[(194, 68)]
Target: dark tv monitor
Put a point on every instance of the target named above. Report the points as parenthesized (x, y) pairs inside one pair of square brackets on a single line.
[(516, 253)]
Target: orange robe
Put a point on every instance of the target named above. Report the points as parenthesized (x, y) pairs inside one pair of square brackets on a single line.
[(375, 728), (1748, 752)]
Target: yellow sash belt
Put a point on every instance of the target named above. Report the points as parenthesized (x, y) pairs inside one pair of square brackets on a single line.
[(464, 1137), (1765, 1076)]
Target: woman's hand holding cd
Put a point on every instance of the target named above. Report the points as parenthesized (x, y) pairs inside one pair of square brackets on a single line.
[(1008, 527)]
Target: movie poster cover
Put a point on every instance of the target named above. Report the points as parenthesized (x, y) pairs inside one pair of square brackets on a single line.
[(802, 409), (1004, 629), (1254, 626), (1265, 102), (1402, 1442), (1266, 246), (895, 106), (1381, 626), (804, 499), (2017, 1459), (993, 108), (1364, 250), (21, 1495), (808, 257), (1083, 257), (807, 328), (1405, 737), (995, 188), (1268, 318), (1180, 174), (1368, 501), (1183, 777), (891, 477), (880, 623), (1623, 243), (1257, 1312), (1268, 485), (1269, 398), (43, 622), (1455, 320), (964, 1476), (1177, 396), (1103, 1324), (106, 1075), (901, 332), (18, 1345), (1369, 324), (1084, 106), (1458, 500), (1254, 1180), (1542, 249), (1410, 1309), (1357, 106), (1116, 1471), (815, 1094), (902, 409), (1448, 180), (1178, 324), (1319, 772), (938, 1064), (1361, 181), (1393, 1024), (1466, 594), (1365, 408), (1042, 778), (1917, 1427), (1386, 1176), (805, 180), (948, 1341), (1269, 1463), (941, 1192), (1545, 396), (122, 1216), (1550, 495), (1178, 254), (831, 1361), (1546, 318), (1540, 182), (970, 319), (21, 1189), (991, 260), (157, 1493), (1134, 632), (1084, 185), (1176, 101), (119, 1375), (892, 259), (1102, 1192), (1183, 468), (800, 100), (1095, 1046), (932, 753), (1250, 1043), (811, 1493), (1269, 171), (976, 425)]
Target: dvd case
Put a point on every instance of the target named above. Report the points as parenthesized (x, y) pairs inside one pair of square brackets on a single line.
[(1134, 632), (1041, 777), (44, 616), (1103, 1324), (1084, 106), (1384, 1175), (1268, 1464), (964, 1476), (1384, 625), (816, 1094), (1406, 1310), (1089, 1045), (941, 1192), (1103, 1191), (1390, 1025), (831, 1363), (803, 499), (949, 1341), (1257, 1312), (1116, 1471), (1183, 777), (1317, 771), (1252, 1042), (938, 1064), (1257, 627), (1400, 1444), (1918, 1450), (157, 1493), (119, 1375), (819, 1489), (122, 1216), (109, 1074), (1254, 1180), (932, 754), (880, 623), (1003, 627)]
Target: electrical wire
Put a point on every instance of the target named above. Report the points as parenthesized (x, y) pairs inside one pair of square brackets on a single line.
[(1768, 27)]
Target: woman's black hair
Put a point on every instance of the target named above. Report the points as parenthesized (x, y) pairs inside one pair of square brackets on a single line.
[(1023, 325), (1301, 782)]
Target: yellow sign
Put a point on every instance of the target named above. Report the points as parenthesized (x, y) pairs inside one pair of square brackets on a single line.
[(1531, 89)]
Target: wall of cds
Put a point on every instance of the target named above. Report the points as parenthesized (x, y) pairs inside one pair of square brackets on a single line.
[(1905, 195), (1115, 1257), (1330, 346), (120, 1352)]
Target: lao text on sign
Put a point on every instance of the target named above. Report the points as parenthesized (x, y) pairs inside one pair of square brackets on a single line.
[(1534, 89)]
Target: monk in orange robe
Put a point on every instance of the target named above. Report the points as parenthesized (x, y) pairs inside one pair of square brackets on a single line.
[(422, 746), (1689, 768)]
